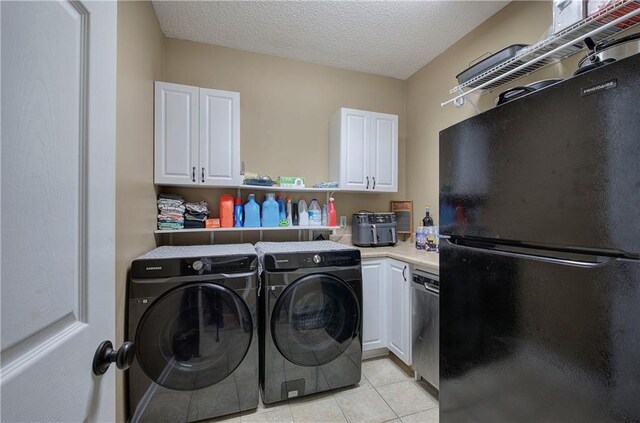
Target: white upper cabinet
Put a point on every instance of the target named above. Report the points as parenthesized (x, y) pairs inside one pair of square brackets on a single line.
[(176, 133), (219, 137), (197, 136), (363, 150), (384, 152)]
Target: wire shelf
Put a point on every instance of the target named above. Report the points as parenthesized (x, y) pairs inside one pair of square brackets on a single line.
[(601, 25)]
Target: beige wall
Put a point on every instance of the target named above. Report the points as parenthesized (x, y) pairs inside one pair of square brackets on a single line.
[(285, 110), (520, 22), (140, 56)]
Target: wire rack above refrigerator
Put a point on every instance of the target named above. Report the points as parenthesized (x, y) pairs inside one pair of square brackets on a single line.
[(601, 25)]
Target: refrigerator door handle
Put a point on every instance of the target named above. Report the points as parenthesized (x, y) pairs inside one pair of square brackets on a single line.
[(598, 260)]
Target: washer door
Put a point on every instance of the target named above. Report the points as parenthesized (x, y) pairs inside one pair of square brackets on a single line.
[(315, 319), (194, 336)]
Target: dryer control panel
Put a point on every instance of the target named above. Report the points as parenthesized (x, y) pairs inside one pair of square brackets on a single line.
[(289, 261), (190, 266)]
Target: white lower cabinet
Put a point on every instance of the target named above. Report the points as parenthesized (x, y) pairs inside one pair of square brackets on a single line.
[(386, 292), (400, 309), (374, 294)]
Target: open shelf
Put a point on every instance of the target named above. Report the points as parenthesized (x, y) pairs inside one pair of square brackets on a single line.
[(260, 229), (285, 189), (243, 187), (601, 25)]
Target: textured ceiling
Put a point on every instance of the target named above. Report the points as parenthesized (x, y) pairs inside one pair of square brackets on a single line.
[(390, 38)]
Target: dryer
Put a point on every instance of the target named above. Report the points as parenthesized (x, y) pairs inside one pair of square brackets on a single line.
[(311, 318), (192, 316)]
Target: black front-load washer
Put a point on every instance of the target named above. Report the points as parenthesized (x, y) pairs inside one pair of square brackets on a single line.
[(311, 318), (192, 316)]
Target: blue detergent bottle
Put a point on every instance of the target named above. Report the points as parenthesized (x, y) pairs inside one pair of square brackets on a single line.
[(238, 213), (270, 212), (281, 208), (252, 213)]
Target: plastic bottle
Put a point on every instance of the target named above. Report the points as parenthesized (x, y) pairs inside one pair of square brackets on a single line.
[(303, 215), (289, 211), (325, 215), (315, 213), (333, 216), (252, 213), (270, 212), (294, 214), (226, 210), (421, 238), (238, 217), (283, 213)]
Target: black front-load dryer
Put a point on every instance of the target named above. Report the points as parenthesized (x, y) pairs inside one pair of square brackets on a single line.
[(192, 316), (310, 318)]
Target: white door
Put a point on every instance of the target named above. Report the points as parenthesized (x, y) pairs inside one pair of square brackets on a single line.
[(57, 214), (176, 134), (399, 310), (219, 137), (384, 152), (374, 298), (355, 150)]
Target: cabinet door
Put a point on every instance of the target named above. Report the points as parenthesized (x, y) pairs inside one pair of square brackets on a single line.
[(355, 160), (374, 298), (384, 152), (176, 134), (219, 137), (400, 310)]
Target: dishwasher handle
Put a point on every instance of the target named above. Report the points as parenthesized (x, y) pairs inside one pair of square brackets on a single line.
[(431, 289)]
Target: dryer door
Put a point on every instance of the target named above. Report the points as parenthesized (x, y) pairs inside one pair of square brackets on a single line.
[(194, 336), (315, 319)]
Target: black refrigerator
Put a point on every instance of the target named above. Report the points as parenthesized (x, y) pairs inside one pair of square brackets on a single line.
[(540, 256)]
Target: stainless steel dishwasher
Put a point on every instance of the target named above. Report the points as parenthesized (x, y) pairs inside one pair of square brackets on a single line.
[(426, 326)]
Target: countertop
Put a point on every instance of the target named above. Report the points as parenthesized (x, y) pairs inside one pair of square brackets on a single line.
[(403, 251)]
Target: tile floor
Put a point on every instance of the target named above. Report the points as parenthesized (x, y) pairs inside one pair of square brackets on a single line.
[(386, 393)]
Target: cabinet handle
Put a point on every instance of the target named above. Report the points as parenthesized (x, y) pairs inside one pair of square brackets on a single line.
[(203, 175), (367, 182), (403, 276), (374, 182), (193, 174)]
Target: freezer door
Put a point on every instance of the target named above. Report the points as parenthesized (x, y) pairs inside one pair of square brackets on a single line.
[(532, 339), (558, 167)]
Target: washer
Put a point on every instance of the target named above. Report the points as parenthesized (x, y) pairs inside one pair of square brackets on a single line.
[(192, 317), (311, 318)]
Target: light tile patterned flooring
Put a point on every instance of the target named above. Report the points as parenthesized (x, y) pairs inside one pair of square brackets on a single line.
[(386, 393)]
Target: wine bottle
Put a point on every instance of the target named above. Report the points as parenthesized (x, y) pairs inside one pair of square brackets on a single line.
[(427, 220)]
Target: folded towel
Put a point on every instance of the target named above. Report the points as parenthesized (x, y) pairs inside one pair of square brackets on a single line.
[(170, 197), (171, 208), (170, 217), (194, 224), (196, 217), (197, 208), (327, 185), (170, 225)]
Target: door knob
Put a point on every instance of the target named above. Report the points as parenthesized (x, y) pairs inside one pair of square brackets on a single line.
[(105, 355)]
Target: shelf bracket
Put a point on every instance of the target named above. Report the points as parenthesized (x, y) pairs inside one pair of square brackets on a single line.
[(459, 102), (212, 238)]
